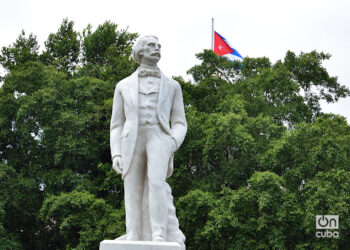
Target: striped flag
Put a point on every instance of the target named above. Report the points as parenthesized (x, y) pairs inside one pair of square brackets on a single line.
[(223, 48)]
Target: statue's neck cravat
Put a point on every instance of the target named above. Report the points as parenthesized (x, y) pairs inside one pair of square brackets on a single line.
[(149, 72), (145, 71)]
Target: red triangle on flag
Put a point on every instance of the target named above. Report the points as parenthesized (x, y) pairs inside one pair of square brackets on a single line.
[(220, 46)]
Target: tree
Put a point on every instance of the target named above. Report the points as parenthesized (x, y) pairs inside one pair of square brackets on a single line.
[(22, 50), (7, 240), (63, 48), (261, 215), (237, 115), (79, 220), (310, 148), (327, 193), (106, 52), (271, 89), (54, 121), (193, 209)]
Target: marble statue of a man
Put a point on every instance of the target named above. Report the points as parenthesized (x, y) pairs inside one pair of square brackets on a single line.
[(143, 144)]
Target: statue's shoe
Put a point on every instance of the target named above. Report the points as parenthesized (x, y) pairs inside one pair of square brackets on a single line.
[(123, 237), (159, 239)]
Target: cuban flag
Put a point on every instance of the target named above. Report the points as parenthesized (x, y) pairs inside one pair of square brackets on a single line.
[(223, 48)]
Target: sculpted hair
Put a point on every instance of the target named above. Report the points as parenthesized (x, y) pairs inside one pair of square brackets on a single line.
[(138, 47)]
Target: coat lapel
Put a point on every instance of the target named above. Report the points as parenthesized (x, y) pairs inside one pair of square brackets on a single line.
[(163, 90), (163, 94), (134, 88)]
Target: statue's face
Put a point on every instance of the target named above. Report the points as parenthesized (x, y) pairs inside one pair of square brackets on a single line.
[(151, 51)]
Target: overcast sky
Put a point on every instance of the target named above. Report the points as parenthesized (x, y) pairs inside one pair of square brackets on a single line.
[(253, 27)]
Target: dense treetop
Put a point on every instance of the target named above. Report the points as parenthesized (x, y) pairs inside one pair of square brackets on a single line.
[(255, 133)]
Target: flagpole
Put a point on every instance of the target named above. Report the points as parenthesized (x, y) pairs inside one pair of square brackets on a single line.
[(212, 34)]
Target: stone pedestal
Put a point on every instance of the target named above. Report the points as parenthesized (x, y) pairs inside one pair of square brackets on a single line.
[(138, 245)]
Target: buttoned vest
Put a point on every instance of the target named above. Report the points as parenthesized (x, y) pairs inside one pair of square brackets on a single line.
[(148, 100)]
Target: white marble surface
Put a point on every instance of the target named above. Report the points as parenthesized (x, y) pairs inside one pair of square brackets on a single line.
[(143, 145), (138, 245)]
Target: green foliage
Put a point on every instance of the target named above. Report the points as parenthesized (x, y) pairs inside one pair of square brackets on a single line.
[(308, 71), (255, 133), (328, 193), (229, 150), (237, 116), (258, 216), (193, 209), (7, 241), (79, 220), (54, 138), (63, 48), (301, 153), (106, 52), (20, 202), (23, 50)]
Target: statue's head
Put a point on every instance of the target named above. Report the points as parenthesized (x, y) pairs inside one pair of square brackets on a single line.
[(147, 50)]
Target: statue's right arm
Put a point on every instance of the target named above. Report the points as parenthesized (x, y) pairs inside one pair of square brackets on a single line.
[(116, 126), (117, 165)]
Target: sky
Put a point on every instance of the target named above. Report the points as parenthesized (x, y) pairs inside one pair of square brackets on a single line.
[(253, 27)]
